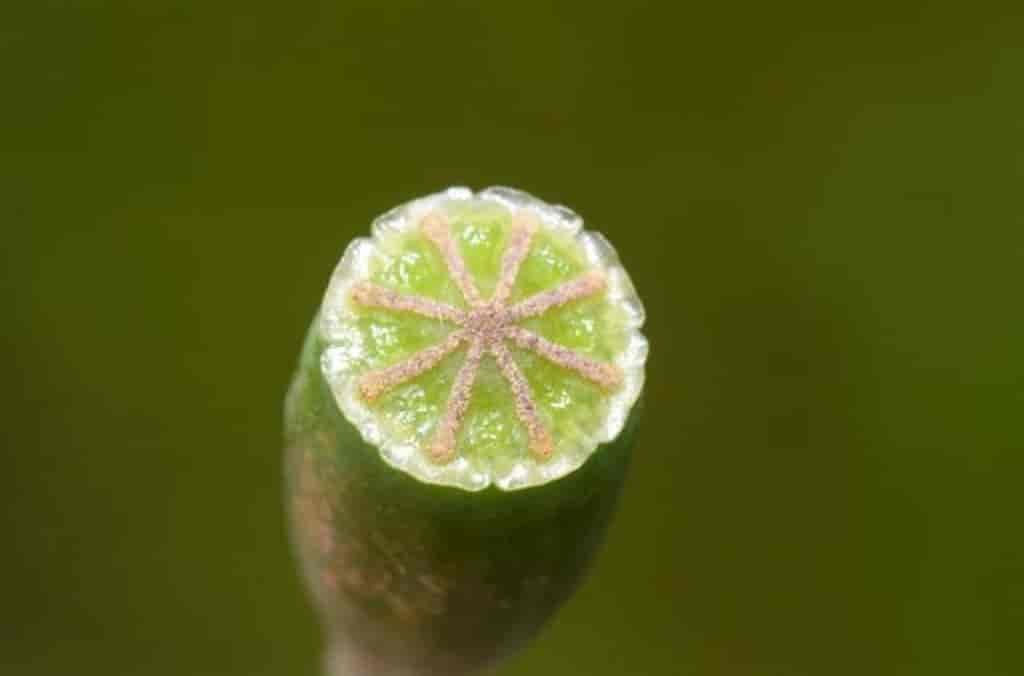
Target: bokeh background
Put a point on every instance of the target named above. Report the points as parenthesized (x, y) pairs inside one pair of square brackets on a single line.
[(821, 204)]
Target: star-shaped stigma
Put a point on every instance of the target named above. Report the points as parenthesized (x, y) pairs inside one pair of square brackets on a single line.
[(485, 328)]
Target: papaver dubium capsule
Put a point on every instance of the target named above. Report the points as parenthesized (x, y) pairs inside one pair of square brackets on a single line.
[(458, 430)]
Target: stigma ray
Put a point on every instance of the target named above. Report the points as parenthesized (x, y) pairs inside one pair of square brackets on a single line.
[(437, 229), (375, 383), (587, 284), (520, 238), (369, 294), (608, 376), (442, 449), (540, 441)]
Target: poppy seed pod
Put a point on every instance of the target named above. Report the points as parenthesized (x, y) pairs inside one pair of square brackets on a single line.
[(458, 430)]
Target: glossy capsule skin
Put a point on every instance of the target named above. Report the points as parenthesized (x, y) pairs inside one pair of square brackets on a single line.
[(418, 579)]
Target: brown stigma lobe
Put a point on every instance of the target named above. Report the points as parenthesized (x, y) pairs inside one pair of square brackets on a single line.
[(376, 383), (607, 376), (369, 294), (435, 227), (587, 284), (485, 327), (519, 240), (526, 409), (442, 448)]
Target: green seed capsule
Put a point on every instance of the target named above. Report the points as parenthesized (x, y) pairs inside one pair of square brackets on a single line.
[(458, 430)]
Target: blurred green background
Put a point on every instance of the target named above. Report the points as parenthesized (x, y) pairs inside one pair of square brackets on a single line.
[(820, 203)]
